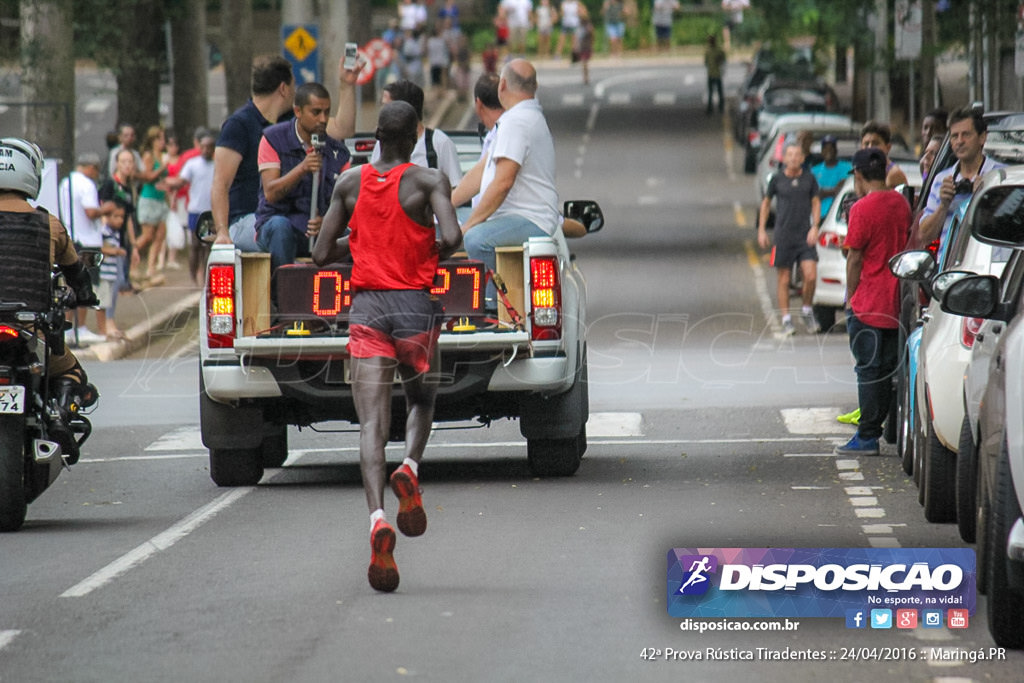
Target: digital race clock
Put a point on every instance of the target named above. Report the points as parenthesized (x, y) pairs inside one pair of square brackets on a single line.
[(306, 291)]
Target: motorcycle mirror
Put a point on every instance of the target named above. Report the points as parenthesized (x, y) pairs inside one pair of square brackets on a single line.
[(90, 258)]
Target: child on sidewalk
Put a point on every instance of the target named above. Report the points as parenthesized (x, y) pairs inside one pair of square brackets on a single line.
[(110, 273)]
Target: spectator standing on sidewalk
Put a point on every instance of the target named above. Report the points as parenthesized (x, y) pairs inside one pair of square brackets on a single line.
[(152, 206), (569, 12), (614, 25), (545, 16), (439, 57), (197, 176), (81, 211), (118, 189), (125, 140), (110, 273), (585, 44), (933, 124), (714, 61), (879, 134), (520, 18), (830, 173), (877, 231), (662, 15), (797, 217)]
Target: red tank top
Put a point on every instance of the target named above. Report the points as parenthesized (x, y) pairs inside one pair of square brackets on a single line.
[(389, 249)]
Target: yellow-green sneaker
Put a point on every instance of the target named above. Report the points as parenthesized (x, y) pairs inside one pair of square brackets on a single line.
[(850, 418)]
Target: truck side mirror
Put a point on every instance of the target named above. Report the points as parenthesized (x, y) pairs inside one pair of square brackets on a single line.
[(586, 211), (205, 230)]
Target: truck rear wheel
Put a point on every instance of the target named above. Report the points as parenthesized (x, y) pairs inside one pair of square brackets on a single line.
[(236, 466), (556, 457)]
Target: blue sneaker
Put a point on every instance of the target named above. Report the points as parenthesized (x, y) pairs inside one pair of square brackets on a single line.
[(858, 446)]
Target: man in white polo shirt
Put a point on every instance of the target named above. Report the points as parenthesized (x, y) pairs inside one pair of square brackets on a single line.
[(516, 181)]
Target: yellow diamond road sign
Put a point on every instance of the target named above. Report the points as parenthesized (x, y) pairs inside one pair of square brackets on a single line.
[(300, 43)]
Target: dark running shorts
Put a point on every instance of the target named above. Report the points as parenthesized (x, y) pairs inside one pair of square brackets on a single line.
[(785, 255), (400, 324)]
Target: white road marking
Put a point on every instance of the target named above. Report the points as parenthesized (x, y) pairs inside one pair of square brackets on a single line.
[(615, 424), (809, 455), (689, 79), (161, 541), (665, 98), (7, 637), (182, 439), (870, 513), (847, 464), (813, 421), (619, 98), (761, 289), (647, 200), (864, 501), (851, 476), (631, 77), (810, 488), (883, 542), (572, 99)]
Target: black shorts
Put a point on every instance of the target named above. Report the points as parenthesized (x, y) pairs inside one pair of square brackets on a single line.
[(785, 255), (400, 324)]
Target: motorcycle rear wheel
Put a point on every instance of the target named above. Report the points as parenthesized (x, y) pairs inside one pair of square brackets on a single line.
[(13, 501)]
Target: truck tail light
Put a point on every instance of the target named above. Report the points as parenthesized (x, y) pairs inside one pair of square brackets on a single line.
[(546, 297), (8, 333), (220, 307), (969, 331)]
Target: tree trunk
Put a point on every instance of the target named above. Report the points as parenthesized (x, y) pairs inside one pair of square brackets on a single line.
[(235, 28), (141, 64), (189, 75), (48, 77)]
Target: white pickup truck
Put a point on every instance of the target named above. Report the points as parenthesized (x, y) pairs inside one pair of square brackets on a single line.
[(261, 372)]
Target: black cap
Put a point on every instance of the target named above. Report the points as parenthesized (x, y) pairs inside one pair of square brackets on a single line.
[(828, 139), (869, 158)]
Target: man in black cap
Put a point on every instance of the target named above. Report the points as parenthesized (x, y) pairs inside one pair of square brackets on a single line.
[(877, 231)]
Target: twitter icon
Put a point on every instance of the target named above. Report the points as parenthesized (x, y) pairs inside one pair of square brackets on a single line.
[(881, 618)]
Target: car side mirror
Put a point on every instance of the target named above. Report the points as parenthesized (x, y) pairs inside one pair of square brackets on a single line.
[(943, 281), (586, 211), (975, 296), (914, 266), (205, 229)]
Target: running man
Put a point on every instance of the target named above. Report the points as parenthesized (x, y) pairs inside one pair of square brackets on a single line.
[(389, 207)]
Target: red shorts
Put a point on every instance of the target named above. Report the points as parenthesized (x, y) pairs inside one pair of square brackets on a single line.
[(399, 324)]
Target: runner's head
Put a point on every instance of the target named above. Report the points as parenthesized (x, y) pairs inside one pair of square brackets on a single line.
[(396, 127)]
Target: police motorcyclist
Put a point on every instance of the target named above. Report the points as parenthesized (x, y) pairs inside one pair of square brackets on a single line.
[(21, 169)]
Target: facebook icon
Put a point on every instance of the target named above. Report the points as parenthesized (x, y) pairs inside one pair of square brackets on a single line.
[(856, 618)]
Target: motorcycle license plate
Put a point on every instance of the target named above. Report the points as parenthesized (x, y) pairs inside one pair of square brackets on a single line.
[(12, 400)]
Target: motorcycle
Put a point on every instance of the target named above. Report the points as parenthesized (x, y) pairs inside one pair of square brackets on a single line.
[(42, 425)]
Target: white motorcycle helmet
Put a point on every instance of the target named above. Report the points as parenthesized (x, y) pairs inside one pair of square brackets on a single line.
[(21, 167)]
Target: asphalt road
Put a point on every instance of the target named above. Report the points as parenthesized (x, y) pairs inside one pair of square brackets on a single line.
[(707, 430)]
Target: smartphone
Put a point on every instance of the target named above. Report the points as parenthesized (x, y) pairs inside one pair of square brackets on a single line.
[(351, 55)]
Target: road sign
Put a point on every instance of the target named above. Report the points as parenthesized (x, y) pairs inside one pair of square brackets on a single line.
[(301, 48), (366, 75), (380, 52)]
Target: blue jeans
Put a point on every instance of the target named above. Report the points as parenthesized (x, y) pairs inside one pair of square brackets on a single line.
[(243, 233), (876, 353), (282, 241), (505, 231)]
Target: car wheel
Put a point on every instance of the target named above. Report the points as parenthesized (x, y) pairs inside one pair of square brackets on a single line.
[(890, 427), (918, 437), (966, 483), (1005, 600), (981, 527), (939, 483)]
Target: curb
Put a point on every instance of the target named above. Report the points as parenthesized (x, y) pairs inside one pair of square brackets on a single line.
[(137, 336)]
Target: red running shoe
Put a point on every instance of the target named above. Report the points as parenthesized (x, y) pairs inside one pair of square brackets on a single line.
[(412, 520), (383, 572)]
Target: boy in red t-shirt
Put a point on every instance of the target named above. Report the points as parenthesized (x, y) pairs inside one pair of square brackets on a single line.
[(877, 231)]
